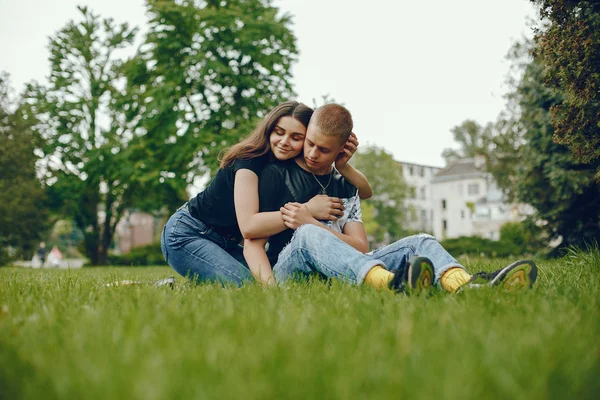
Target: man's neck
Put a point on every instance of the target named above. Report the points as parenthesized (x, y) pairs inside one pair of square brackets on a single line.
[(302, 164)]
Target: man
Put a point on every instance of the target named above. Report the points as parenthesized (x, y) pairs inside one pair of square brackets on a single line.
[(41, 251), (337, 250)]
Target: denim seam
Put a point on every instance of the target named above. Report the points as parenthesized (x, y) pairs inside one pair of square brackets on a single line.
[(411, 247)]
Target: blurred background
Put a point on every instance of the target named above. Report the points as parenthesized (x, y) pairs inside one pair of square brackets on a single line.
[(478, 123)]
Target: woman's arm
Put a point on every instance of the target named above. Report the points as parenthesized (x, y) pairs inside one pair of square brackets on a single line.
[(256, 257), (352, 175), (255, 225), (245, 197)]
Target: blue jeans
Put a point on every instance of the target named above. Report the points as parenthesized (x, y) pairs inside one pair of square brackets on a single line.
[(314, 250), (194, 250)]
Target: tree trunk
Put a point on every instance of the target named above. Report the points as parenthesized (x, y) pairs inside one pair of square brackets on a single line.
[(91, 246)]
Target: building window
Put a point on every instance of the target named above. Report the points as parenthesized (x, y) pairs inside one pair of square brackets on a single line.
[(462, 214), (410, 171), (443, 204), (423, 193), (473, 188), (422, 171), (445, 225)]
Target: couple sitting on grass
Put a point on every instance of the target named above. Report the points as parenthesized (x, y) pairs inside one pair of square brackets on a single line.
[(279, 186)]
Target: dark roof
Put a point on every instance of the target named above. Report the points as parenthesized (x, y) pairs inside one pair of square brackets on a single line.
[(418, 165), (459, 168)]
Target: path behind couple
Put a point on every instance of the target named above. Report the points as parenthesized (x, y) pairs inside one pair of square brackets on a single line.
[(63, 334)]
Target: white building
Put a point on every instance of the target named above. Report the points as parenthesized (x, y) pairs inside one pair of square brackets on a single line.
[(419, 203), (467, 202)]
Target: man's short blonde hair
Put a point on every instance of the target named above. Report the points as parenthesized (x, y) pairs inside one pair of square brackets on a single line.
[(333, 120)]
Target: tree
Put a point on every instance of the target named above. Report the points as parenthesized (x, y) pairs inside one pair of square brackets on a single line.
[(473, 140), (368, 219), (22, 198), (568, 49), (542, 173), (86, 167), (389, 192), (207, 70)]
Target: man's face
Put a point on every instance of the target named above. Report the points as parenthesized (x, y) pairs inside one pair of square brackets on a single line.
[(320, 151)]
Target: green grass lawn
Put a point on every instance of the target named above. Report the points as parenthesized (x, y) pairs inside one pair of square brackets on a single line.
[(63, 334)]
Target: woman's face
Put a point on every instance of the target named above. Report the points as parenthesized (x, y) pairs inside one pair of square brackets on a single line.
[(287, 138)]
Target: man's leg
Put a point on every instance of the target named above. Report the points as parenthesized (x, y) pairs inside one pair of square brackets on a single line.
[(314, 250), (450, 275), (396, 255)]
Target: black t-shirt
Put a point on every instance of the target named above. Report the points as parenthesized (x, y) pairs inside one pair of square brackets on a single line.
[(284, 182), (215, 204)]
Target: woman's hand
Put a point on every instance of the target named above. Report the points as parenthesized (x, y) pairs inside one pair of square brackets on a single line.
[(323, 207), (346, 154), (295, 214)]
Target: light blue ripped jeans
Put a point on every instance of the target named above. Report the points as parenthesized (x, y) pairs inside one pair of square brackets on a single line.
[(314, 250)]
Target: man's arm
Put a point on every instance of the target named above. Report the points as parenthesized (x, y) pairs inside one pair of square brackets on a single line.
[(351, 174), (295, 214)]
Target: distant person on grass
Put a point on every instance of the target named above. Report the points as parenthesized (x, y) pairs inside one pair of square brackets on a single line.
[(41, 251), (202, 239), (55, 257), (338, 249)]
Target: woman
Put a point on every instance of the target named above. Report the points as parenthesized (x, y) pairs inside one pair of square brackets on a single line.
[(201, 239)]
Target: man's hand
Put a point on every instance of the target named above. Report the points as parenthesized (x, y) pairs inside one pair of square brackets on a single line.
[(346, 154), (295, 214), (323, 207)]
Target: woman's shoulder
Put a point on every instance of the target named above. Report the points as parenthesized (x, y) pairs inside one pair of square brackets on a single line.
[(254, 164)]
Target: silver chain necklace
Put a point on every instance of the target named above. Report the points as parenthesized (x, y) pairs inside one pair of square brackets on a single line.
[(323, 188)]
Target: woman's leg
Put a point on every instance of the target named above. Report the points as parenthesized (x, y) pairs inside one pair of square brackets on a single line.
[(191, 248)]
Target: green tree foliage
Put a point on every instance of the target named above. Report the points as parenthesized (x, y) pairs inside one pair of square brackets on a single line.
[(206, 71), (89, 174), (542, 173), (389, 192), (568, 49), (22, 197), (368, 218), (473, 140)]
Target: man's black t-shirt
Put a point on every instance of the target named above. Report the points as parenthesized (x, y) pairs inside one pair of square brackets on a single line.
[(284, 182), (215, 204)]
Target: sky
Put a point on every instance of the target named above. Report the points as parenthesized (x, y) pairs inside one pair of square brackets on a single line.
[(408, 71)]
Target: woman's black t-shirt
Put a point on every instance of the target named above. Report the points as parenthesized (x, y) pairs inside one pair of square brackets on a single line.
[(215, 204)]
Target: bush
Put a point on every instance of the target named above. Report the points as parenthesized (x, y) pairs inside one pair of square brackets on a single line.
[(5, 258), (514, 232), (475, 245), (516, 239), (139, 257)]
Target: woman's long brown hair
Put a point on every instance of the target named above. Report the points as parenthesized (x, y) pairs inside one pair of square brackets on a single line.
[(257, 144)]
